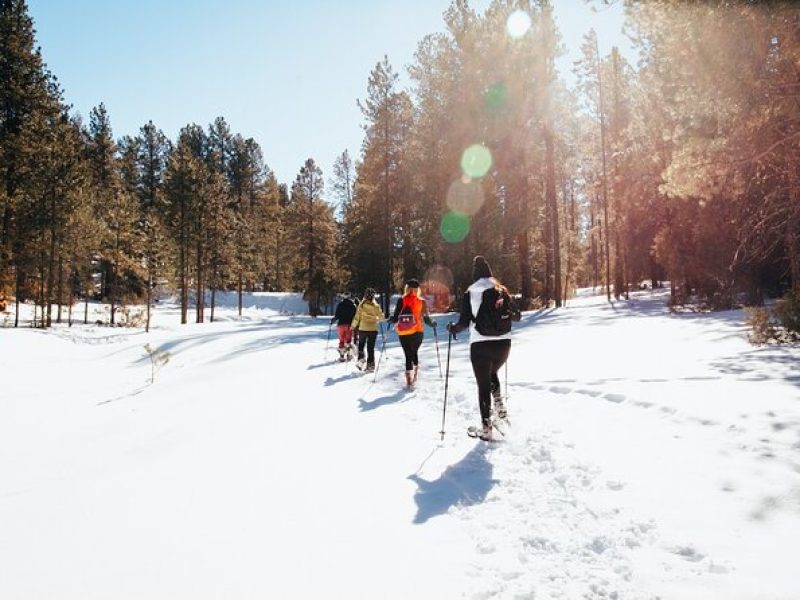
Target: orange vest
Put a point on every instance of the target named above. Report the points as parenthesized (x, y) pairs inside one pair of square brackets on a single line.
[(415, 304)]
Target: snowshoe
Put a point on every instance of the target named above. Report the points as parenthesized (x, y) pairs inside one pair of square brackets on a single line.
[(500, 408), (482, 432)]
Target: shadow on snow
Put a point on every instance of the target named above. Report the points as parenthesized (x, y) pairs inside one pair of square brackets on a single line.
[(465, 483), (399, 396), (195, 339)]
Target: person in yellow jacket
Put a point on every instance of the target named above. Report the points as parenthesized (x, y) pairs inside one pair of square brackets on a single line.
[(368, 316)]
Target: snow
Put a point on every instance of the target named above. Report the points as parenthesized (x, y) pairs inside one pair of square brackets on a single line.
[(651, 455)]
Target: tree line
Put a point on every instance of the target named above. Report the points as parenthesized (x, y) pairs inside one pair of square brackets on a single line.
[(683, 168)]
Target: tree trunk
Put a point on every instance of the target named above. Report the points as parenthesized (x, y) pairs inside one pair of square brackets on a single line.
[(17, 286), (112, 285), (48, 297), (552, 203), (548, 244), (240, 292), (60, 286), (605, 170), (213, 298), (523, 255), (593, 229), (183, 265), (149, 301), (792, 243), (200, 289)]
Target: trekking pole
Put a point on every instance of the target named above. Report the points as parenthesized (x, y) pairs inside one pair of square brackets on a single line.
[(446, 378), (328, 342), (438, 358), (383, 349), (505, 394)]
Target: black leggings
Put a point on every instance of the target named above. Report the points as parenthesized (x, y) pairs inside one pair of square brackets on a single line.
[(487, 358), (368, 338), (411, 344)]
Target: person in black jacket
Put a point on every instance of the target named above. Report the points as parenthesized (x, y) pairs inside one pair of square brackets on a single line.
[(487, 352), (345, 311)]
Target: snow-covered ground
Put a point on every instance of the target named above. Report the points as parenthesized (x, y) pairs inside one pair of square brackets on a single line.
[(652, 455)]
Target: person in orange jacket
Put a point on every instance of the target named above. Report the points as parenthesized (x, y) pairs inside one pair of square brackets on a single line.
[(409, 315)]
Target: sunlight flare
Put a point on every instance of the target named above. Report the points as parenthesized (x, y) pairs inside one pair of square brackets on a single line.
[(495, 96), (518, 24), (465, 195), (455, 226), (476, 161)]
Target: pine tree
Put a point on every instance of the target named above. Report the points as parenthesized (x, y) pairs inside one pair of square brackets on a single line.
[(183, 183), (27, 97), (385, 126), (314, 236), (153, 152), (117, 213), (251, 213)]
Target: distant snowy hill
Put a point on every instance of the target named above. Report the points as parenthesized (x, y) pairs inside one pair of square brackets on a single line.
[(650, 455)]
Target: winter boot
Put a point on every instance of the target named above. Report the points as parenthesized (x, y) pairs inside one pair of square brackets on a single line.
[(370, 368), (409, 378), (499, 405), (342, 356), (486, 432), (414, 376)]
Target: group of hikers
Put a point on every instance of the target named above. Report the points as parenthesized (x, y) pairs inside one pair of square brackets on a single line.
[(486, 309)]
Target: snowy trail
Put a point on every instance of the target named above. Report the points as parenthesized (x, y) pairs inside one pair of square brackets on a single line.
[(651, 455)]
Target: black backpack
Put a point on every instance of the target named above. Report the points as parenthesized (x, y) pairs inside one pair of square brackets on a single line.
[(495, 313)]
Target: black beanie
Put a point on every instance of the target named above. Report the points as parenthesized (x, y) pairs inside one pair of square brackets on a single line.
[(412, 283), (480, 268)]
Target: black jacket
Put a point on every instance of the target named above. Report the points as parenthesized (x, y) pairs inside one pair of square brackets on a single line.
[(345, 311)]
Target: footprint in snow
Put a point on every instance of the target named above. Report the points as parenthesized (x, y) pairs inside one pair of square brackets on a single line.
[(614, 398), (560, 390), (688, 553)]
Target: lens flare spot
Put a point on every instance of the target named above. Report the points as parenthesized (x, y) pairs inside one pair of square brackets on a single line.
[(455, 226), (518, 24), (476, 161), (436, 288), (465, 195), (495, 96)]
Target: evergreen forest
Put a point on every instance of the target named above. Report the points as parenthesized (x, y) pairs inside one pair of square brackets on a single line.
[(681, 168)]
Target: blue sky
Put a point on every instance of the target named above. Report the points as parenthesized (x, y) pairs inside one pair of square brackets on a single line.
[(285, 73)]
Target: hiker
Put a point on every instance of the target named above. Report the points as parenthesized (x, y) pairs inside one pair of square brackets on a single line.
[(368, 315), (409, 314), (488, 311), (343, 317)]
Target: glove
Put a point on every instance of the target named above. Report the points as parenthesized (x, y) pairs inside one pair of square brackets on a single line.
[(333, 320), (451, 329)]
